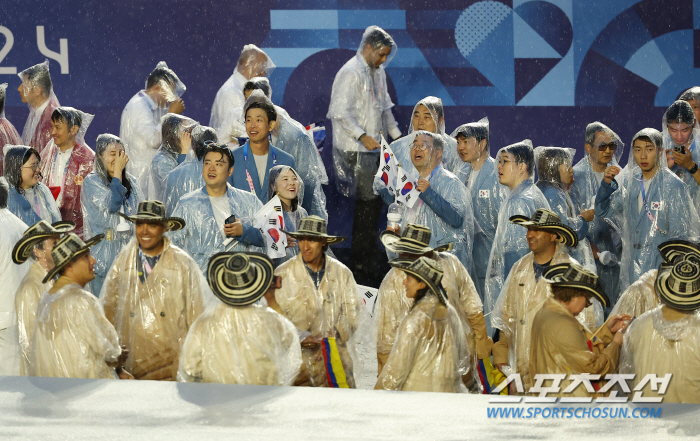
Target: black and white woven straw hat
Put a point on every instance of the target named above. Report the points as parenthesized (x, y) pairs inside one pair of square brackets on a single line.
[(678, 249), (68, 248), (240, 279), (35, 234), (544, 219), (678, 284), (426, 270), (154, 211), (414, 239), (572, 275), (314, 226)]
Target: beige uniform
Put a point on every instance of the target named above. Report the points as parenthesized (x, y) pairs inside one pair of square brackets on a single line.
[(430, 353), (331, 310), (26, 304), (515, 310), (664, 341), (241, 345), (152, 318), (73, 338), (559, 346), (639, 297)]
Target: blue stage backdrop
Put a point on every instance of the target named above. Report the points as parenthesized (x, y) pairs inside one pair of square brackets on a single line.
[(538, 69)]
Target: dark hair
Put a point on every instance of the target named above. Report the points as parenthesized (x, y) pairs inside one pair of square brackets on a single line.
[(378, 38), (2, 99), (162, 74), (691, 94), (223, 150), (4, 192), (104, 141), (548, 162), (69, 116), (476, 131), (565, 294), (680, 112), (258, 83), (645, 139), (522, 154), (435, 105), (592, 129), (40, 76), (170, 131), (267, 107), (27, 156), (201, 135), (420, 294)]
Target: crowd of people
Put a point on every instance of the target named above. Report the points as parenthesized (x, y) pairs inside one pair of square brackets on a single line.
[(143, 258)]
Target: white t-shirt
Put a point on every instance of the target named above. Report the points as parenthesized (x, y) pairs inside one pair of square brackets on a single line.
[(221, 209), (261, 165), (598, 177), (59, 168), (472, 178)]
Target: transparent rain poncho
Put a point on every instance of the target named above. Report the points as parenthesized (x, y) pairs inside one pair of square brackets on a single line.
[(253, 62), (329, 309), (152, 317), (402, 147), (682, 115), (73, 339), (202, 237), (26, 303), (639, 297), (140, 122), (692, 96), (241, 345), (37, 129), (10, 278), (169, 155), (430, 353), (80, 163), (661, 345), (188, 177), (102, 199), (393, 306), (8, 133), (487, 195), (603, 233), (29, 204), (518, 303), (360, 103), (509, 243), (553, 164), (279, 175), (669, 212)]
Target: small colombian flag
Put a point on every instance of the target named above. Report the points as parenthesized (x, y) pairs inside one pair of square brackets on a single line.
[(334, 366)]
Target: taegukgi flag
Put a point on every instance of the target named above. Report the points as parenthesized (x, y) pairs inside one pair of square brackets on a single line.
[(270, 221), (388, 166), (406, 191)]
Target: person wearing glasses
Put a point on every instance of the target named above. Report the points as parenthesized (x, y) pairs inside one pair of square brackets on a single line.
[(679, 132), (28, 199)]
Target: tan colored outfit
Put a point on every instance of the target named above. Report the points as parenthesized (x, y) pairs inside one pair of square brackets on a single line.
[(639, 297), (332, 310), (73, 338), (26, 304), (430, 353), (152, 318), (515, 310), (665, 341), (559, 346), (393, 306), (247, 345)]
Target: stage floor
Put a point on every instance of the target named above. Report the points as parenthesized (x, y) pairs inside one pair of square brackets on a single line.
[(67, 409)]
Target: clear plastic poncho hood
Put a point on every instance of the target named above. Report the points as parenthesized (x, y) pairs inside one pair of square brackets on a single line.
[(254, 62), (71, 116), (173, 88), (377, 38)]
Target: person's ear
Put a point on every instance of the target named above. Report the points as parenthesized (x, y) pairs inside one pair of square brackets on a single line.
[(74, 130), (482, 145), (230, 171), (272, 124), (588, 148), (422, 285)]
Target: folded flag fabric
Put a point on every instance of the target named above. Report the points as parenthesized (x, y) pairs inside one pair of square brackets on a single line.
[(334, 366), (406, 188), (490, 377), (388, 167), (270, 221)]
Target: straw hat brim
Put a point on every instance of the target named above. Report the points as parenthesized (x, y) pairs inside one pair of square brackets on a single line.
[(398, 244), (332, 240), (673, 249), (565, 234), (88, 244), (240, 295), (404, 265), (672, 298), (23, 248), (553, 273), (173, 223)]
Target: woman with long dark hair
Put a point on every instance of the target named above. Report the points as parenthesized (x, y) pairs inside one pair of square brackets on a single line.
[(28, 198)]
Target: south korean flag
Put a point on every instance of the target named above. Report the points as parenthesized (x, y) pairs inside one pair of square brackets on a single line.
[(270, 221), (406, 184), (387, 167)]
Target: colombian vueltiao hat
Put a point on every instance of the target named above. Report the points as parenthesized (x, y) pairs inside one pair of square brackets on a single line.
[(544, 219), (314, 226), (240, 279), (674, 249), (154, 211), (678, 284), (68, 248), (36, 234), (572, 275), (426, 270), (414, 239)]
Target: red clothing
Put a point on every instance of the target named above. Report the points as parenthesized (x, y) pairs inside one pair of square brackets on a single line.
[(8, 136), (81, 163), (42, 134)]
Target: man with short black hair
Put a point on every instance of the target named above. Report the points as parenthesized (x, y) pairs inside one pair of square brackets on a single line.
[(36, 90)]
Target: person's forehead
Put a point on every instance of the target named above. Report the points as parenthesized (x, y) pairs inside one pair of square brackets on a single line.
[(215, 156), (603, 138), (422, 109), (384, 50), (256, 112), (642, 143), (679, 126)]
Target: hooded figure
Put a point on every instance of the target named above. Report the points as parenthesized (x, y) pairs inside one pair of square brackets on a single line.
[(187, 176), (29, 199), (516, 164), (480, 176), (107, 191), (253, 62), (176, 142), (554, 178), (10, 278), (140, 127), (429, 115), (652, 203), (286, 183), (37, 91), (8, 133), (666, 340), (153, 300), (680, 133), (65, 167), (602, 148)]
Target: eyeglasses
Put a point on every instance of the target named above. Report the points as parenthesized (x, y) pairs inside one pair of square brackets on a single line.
[(603, 147), (421, 147), (36, 166)]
